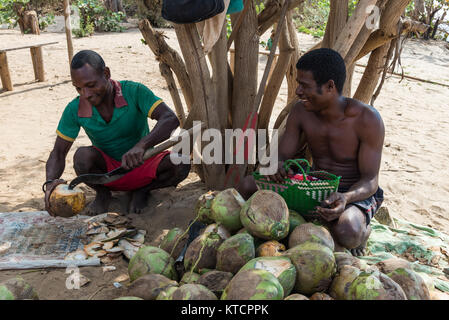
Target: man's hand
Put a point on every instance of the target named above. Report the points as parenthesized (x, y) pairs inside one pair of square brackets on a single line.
[(133, 158), (281, 173), (332, 207), (48, 189)]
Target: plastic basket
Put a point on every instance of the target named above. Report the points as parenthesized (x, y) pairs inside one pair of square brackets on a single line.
[(302, 195)]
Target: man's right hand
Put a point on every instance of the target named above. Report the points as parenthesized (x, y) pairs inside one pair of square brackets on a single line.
[(281, 173), (48, 189)]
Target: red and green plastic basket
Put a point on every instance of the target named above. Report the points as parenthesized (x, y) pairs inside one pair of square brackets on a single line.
[(302, 195)]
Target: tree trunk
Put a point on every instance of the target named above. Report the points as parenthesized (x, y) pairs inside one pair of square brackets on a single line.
[(114, 5), (372, 74), (338, 17), (296, 54), (435, 28)]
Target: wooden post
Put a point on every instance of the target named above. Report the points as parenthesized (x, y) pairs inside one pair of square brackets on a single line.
[(68, 29), (4, 72), (38, 63)]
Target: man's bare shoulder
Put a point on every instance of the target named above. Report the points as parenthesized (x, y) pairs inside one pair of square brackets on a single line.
[(364, 113)]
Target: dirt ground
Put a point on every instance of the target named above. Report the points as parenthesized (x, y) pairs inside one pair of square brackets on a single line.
[(414, 173)]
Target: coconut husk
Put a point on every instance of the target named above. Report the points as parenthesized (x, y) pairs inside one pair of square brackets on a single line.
[(339, 288), (295, 219), (203, 207), (17, 289), (189, 277), (225, 209), (265, 215), (296, 296), (193, 292), (234, 252), (253, 284), (343, 259), (216, 281), (175, 237), (313, 233), (270, 248), (202, 252), (149, 286), (149, 259), (320, 296), (413, 285), (375, 286), (392, 264)]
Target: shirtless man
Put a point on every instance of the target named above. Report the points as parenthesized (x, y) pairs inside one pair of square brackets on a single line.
[(345, 138), (114, 115)]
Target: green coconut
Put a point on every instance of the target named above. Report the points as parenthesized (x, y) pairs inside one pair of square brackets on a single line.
[(413, 285), (253, 284), (315, 267), (375, 286), (341, 282), (234, 252), (219, 229), (189, 277), (226, 208), (311, 233), (174, 237), (295, 219), (203, 207), (257, 241), (167, 293), (193, 292), (128, 298), (17, 289), (281, 267), (296, 296), (344, 259), (215, 281), (149, 286), (265, 215), (202, 252), (149, 259)]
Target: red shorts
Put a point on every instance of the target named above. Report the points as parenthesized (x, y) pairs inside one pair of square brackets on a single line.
[(138, 177)]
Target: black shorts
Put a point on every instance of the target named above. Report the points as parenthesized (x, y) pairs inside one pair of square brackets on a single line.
[(369, 206)]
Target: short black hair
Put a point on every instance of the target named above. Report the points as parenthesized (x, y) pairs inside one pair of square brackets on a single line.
[(325, 64), (90, 57)]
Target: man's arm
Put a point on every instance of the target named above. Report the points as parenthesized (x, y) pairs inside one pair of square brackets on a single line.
[(167, 122), (56, 161), (288, 144), (371, 131)]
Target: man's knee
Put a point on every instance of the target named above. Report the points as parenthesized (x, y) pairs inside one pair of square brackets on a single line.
[(350, 228), (247, 187), (85, 160)]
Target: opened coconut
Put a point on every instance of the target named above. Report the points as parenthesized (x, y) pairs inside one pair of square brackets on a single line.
[(215, 281), (311, 233), (226, 208), (253, 284), (342, 281), (315, 267), (189, 277), (202, 252), (17, 289), (281, 267), (149, 286), (149, 259), (203, 207), (234, 252), (174, 237), (413, 285), (296, 296), (265, 215), (192, 292), (295, 219), (67, 203), (375, 286), (270, 248)]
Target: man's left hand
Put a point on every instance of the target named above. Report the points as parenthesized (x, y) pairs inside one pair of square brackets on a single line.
[(332, 207), (133, 158)]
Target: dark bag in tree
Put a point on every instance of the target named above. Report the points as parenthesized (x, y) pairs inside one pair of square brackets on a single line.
[(190, 11)]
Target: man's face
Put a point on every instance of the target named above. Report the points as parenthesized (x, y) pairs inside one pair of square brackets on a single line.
[(313, 96), (90, 83)]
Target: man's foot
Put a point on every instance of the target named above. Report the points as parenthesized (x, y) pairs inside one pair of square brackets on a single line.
[(139, 200), (360, 250), (100, 203)]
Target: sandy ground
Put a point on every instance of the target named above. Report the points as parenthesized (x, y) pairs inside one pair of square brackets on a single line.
[(414, 173)]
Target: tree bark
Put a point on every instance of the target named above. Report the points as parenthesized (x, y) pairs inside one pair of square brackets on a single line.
[(372, 74), (336, 22), (68, 30), (296, 54), (164, 53), (197, 68), (168, 76), (270, 15)]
